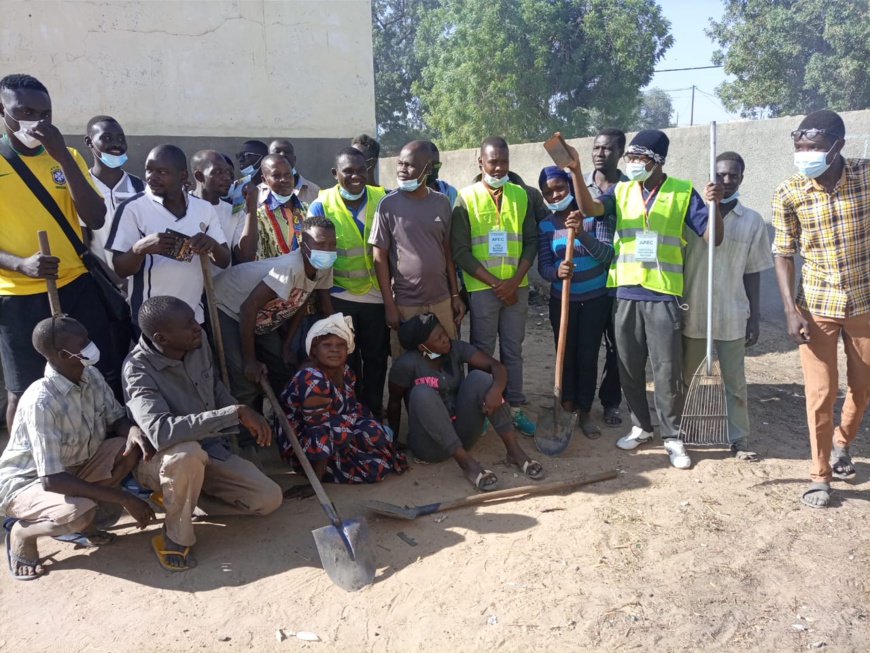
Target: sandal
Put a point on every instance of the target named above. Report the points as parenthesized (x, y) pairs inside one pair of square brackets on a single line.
[(841, 463), (611, 417), (822, 490), (533, 469), (590, 429), (741, 452), (88, 540), (8, 523), (159, 546), (486, 481)]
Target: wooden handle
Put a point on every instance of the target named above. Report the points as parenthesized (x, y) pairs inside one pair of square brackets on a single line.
[(297, 448), (211, 300), (526, 489), (50, 283), (563, 318)]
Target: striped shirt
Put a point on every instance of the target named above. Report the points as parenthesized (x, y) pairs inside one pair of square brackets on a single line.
[(832, 231), (59, 425), (590, 265)]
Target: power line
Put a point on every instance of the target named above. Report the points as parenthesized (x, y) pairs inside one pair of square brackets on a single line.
[(676, 70)]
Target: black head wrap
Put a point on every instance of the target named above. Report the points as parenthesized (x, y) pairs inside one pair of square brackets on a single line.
[(416, 331)]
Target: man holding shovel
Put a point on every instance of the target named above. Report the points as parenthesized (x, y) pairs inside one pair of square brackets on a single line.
[(647, 271)]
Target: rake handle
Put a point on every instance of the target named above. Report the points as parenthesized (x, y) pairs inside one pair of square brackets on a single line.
[(563, 322), (50, 282), (711, 248)]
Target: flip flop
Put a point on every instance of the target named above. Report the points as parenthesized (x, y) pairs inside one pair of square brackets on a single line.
[(535, 476), (841, 463), (160, 549), (611, 417), (8, 523), (88, 540), (822, 489), (484, 475), (590, 429)]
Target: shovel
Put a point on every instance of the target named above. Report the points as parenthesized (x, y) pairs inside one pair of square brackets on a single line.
[(412, 512), (345, 546), (555, 427), (211, 300)]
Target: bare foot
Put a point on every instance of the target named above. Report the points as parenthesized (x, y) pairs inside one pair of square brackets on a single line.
[(24, 554), (179, 560)]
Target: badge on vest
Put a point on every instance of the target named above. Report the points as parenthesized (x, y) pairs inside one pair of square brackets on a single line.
[(646, 247), (498, 242)]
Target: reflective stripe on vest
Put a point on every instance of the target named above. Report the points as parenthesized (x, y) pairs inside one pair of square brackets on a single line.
[(666, 218), (354, 269), (483, 217)]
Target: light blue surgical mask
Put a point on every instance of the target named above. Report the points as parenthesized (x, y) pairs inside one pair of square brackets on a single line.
[(113, 160), (229, 192), (294, 172), (495, 182), (812, 164), (637, 171), (562, 204), (726, 200), (409, 185), (431, 355), (247, 171), (321, 259), (350, 197), (281, 199)]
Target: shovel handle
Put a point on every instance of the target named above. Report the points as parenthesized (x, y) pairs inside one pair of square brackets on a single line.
[(300, 454), (211, 300), (563, 318), (50, 283)]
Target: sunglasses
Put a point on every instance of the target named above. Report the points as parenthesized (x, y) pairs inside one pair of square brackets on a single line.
[(812, 134)]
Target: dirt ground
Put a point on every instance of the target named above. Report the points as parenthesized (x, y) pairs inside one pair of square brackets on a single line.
[(722, 557)]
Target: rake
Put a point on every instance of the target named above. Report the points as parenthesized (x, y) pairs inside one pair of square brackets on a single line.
[(705, 415)]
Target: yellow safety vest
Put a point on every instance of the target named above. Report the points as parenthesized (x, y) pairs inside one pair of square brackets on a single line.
[(667, 219), (484, 216), (354, 269)]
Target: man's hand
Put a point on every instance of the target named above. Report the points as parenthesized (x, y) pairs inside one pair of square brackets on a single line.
[(203, 244), (753, 329), (138, 443), (158, 243), (566, 270), (458, 307), (713, 191), (574, 221), (256, 424), (39, 266), (252, 195), (492, 400), (51, 139), (254, 371), (392, 316), (504, 288), (798, 327), (139, 510)]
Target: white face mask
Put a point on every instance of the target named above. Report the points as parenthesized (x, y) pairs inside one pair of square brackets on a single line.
[(23, 137), (637, 171), (89, 356)]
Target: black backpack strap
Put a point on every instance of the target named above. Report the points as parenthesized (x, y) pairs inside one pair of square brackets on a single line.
[(42, 195)]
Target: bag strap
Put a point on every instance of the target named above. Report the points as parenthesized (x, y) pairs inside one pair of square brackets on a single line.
[(42, 195)]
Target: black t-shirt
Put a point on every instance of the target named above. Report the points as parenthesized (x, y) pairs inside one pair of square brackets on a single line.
[(412, 369)]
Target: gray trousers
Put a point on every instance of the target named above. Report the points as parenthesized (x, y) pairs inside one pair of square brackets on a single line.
[(269, 351), (433, 436), (651, 330), (490, 319)]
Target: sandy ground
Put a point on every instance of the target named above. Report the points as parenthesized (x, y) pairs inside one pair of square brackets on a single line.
[(722, 557)]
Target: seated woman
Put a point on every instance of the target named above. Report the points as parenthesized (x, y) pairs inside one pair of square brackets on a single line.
[(448, 410), (341, 438)]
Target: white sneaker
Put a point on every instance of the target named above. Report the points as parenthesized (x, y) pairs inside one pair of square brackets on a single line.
[(636, 437), (677, 453)]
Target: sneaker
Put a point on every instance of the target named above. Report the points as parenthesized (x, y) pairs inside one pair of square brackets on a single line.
[(677, 453), (522, 423), (636, 437)]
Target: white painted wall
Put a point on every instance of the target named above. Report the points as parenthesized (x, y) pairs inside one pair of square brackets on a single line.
[(231, 68)]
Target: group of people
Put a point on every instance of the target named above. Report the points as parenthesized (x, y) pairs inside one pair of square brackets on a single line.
[(317, 289)]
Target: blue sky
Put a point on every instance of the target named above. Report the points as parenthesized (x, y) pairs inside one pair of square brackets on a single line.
[(692, 47)]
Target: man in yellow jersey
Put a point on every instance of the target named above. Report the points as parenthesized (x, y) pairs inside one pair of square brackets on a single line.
[(494, 238), (350, 205), (29, 137), (651, 209)]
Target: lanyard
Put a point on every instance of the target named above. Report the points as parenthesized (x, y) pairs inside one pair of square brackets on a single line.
[(652, 195), (493, 196)]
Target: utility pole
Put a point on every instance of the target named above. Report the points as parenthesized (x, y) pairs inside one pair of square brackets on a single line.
[(692, 114)]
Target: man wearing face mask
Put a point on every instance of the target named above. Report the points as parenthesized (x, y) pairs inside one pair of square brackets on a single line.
[(106, 140), (30, 138), (304, 189), (436, 184), (411, 239), (281, 213), (351, 205), (260, 313), (494, 240), (69, 450), (244, 191), (824, 210), (647, 271)]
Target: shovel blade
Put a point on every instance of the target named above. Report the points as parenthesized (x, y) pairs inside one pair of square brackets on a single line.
[(554, 430), (347, 554)]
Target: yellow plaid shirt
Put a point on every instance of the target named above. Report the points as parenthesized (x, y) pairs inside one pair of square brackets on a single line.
[(832, 230)]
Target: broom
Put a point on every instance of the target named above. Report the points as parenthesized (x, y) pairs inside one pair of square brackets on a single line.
[(705, 415)]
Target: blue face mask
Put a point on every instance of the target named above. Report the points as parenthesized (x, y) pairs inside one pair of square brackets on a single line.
[(281, 199), (350, 197), (247, 171), (113, 160), (812, 164), (562, 204), (494, 182), (320, 259), (726, 200), (229, 192), (294, 172)]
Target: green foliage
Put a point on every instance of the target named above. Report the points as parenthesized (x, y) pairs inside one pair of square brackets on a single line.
[(518, 68), (655, 111), (794, 56)]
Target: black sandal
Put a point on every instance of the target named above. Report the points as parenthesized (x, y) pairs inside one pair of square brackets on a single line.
[(611, 417)]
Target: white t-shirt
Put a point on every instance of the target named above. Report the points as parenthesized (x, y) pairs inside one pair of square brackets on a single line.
[(161, 275), (126, 188), (284, 274)]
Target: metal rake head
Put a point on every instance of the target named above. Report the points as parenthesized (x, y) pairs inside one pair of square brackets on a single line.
[(705, 415)]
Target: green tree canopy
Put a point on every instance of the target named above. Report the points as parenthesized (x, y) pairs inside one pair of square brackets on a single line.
[(526, 68), (794, 56), (655, 111)]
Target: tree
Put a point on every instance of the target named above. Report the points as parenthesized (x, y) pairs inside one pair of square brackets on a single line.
[(793, 56), (526, 68), (655, 111)]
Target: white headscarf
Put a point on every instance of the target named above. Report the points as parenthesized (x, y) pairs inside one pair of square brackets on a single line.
[(337, 324)]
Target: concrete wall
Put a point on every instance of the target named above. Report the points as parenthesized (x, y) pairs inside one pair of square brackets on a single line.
[(764, 145), (210, 73)]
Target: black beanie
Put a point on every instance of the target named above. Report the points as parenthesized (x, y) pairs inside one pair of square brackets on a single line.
[(652, 139), (416, 331)]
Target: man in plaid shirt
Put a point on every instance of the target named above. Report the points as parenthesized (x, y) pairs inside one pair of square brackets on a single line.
[(825, 209)]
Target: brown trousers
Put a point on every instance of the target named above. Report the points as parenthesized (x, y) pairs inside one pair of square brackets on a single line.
[(443, 311), (819, 362)]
